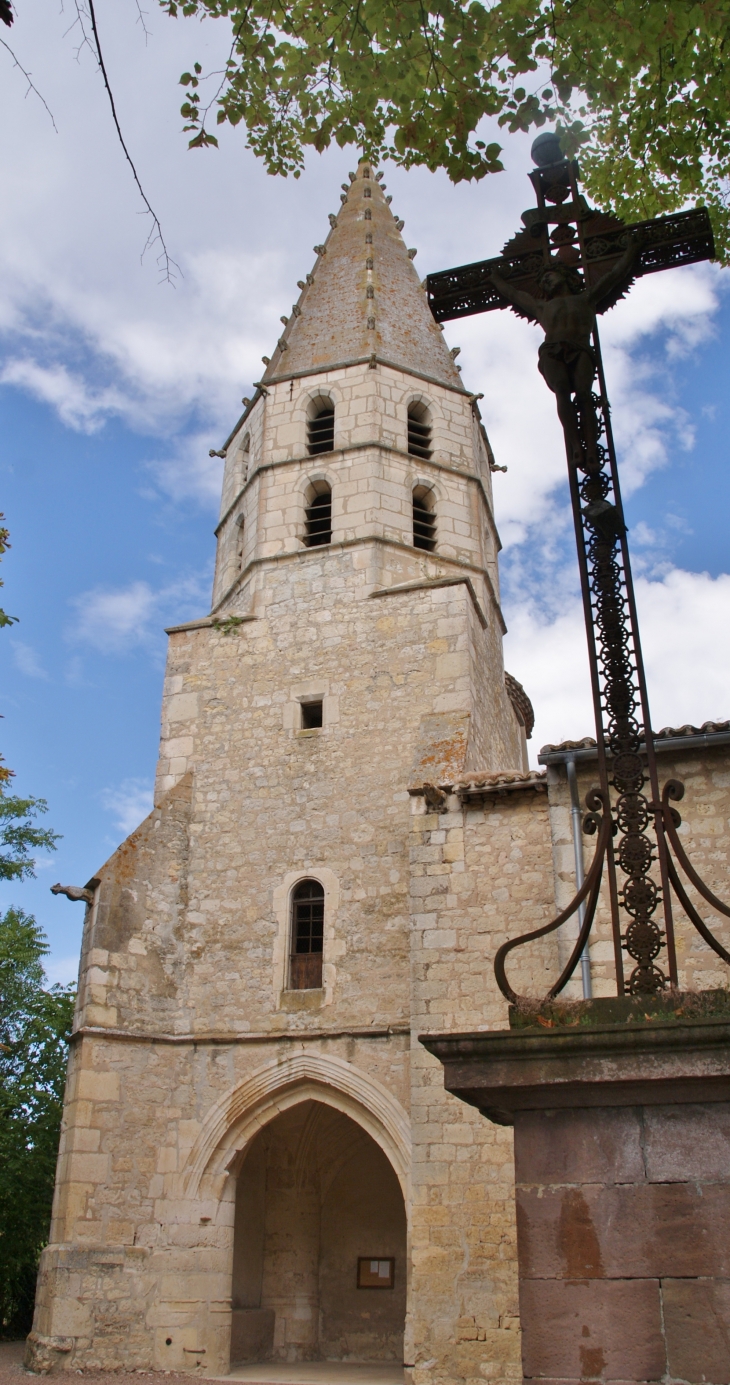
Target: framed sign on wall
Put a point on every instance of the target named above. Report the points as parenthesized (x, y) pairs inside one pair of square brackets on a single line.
[(375, 1273)]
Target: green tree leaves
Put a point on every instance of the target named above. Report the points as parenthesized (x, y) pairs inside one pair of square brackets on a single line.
[(35, 1024), (390, 76), (18, 836), (643, 91), (640, 88), (5, 619)]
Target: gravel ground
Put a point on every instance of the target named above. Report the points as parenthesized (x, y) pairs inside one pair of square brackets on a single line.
[(12, 1373)]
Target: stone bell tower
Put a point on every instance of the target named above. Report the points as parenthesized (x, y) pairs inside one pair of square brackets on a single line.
[(238, 1169)]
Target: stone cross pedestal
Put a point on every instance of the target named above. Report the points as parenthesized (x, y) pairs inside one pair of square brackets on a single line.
[(622, 1171)]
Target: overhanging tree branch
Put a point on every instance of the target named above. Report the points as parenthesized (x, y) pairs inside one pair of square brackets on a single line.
[(31, 85), (169, 269)]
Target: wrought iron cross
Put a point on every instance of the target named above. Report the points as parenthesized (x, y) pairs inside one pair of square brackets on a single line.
[(569, 263)]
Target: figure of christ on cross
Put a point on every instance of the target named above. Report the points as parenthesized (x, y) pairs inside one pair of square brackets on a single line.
[(566, 358)]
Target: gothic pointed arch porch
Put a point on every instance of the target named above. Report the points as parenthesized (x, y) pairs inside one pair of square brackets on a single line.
[(242, 1111)]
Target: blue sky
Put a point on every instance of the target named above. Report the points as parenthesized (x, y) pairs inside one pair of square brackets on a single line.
[(113, 388)]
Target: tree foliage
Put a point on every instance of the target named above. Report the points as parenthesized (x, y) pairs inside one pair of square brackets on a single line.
[(18, 836), (5, 619), (35, 1023), (640, 87)]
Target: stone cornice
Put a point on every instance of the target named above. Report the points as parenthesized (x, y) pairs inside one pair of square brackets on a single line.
[(308, 553), (370, 361), (503, 1072), (426, 584), (211, 1038), (471, 476)]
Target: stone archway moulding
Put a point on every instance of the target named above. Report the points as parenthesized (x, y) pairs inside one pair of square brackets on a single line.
[(244, 1109)]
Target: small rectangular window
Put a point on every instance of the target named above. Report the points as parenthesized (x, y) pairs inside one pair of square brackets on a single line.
[(311, 715), (375, 1273)]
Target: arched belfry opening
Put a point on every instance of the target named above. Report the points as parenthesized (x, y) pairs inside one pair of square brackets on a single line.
[(320, 425), (424, 518), (318, 515), (419, 430), (319, 1255)]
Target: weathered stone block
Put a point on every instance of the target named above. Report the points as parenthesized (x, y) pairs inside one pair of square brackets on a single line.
[(696, 1317), (598, 1329)]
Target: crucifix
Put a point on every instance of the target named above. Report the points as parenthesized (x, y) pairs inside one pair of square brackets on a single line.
[(569, 263)]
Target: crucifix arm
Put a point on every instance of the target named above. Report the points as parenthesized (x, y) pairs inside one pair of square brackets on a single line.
[(524, 302), (618, 274)]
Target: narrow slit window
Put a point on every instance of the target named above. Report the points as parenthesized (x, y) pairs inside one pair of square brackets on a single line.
[(424, 520), (321, 428), (318, 528), (305, 966), (419, 431)]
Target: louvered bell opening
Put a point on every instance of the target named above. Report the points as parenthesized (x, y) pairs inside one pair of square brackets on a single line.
[(321, 432), (319, 521), (424, 526), (305, 970), (419, 437)]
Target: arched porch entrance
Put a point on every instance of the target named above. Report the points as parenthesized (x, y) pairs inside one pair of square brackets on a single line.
[(320, 1243)]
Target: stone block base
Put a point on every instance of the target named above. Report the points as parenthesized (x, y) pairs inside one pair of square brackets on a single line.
[(111, 1308)]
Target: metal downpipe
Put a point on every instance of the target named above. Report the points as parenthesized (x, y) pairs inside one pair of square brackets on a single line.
[(575, 818)]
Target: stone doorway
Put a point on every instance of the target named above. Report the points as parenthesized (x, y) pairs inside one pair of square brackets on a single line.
[(314, 1195)]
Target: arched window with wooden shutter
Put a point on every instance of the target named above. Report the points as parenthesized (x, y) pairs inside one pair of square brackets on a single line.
[(307, 935)]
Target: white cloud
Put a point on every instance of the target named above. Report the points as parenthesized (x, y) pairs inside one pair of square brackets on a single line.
[(499, 355), (188, 471), (112, 621), (679, 302), (77, 405), (118, 620), (130, 803), (26, 659), (89, 330), (684, 617), (92, 333)]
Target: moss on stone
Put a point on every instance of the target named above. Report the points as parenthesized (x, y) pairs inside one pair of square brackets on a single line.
[(667, 1006)]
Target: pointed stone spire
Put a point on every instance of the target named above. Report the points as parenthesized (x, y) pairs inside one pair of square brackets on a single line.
[(363, 298)]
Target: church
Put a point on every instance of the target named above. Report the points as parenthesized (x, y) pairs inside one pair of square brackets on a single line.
[(259, 1161)]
